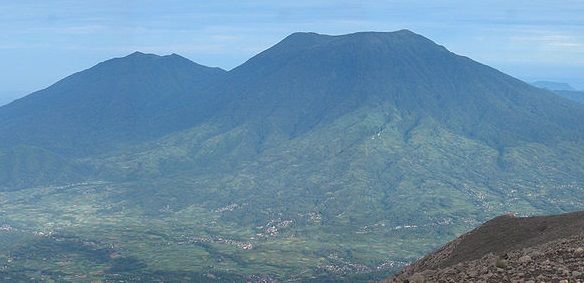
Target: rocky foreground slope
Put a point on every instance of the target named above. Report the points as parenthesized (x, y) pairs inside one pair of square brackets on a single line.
[(508, 249)]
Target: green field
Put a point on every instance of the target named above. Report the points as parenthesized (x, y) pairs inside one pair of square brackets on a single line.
[(272, 220)]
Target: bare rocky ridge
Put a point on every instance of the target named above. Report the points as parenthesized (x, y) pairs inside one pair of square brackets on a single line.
[(508, 249)]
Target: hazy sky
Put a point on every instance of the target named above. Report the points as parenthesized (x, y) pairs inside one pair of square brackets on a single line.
[(44, 41)]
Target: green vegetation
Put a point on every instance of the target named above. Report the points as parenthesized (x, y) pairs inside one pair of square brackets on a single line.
[(65, 233), (295, 211)]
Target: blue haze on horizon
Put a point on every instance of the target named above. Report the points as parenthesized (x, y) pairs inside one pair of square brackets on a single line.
[(44, 41)]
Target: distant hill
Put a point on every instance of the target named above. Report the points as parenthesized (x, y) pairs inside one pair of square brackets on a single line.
[(324, 157), (546, 248), (577, 96), (553, 85), (561, 89)]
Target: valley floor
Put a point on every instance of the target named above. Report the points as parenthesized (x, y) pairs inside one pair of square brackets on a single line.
[(80, 233)]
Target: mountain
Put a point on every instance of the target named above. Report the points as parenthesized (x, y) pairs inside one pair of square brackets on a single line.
[(553, 85), (118, 102), (321, 158), (121, 100), (507, 249), (327, 76)]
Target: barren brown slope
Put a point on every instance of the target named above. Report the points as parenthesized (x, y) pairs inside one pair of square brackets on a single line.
[(509, 238)]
